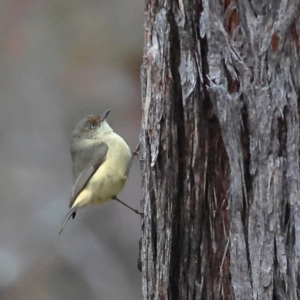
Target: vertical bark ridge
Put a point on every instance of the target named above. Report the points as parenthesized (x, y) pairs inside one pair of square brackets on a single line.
[(220, 148)]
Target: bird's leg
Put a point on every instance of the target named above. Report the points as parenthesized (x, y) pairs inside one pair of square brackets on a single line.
[(135, 210), (136, 151)]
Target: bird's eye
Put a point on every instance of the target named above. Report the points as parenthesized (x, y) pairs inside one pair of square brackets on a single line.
[(92, 126)]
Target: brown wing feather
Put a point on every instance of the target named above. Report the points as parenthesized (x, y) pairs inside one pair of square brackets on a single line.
[(83, 178)]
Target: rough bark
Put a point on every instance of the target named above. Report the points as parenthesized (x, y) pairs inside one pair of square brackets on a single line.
[(220, 150)]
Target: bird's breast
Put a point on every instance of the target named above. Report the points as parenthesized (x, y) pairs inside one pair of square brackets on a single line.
[(110, 178)]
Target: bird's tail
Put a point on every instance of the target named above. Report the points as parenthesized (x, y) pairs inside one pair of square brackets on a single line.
[(71, 213)]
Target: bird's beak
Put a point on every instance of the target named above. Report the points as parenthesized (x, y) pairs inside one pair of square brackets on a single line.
[(105, 114)]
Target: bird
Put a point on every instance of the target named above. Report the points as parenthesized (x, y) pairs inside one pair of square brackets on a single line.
[(101, 161)]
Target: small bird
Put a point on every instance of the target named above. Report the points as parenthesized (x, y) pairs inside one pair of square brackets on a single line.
[(101, 162)]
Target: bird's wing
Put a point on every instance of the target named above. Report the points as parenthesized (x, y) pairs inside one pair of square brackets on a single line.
[(97, 160)]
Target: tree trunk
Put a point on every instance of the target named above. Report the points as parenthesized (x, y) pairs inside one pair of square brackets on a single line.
[(220, 150)]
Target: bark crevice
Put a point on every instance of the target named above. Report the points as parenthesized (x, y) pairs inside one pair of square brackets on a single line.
[(220, 138)]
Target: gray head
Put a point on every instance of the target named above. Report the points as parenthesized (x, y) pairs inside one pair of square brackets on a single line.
[(92, 127)]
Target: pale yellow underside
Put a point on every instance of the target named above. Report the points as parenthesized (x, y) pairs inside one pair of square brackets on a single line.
[(110, 178)]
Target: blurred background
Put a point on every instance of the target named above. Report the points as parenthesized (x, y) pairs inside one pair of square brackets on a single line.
[(59, 61)]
